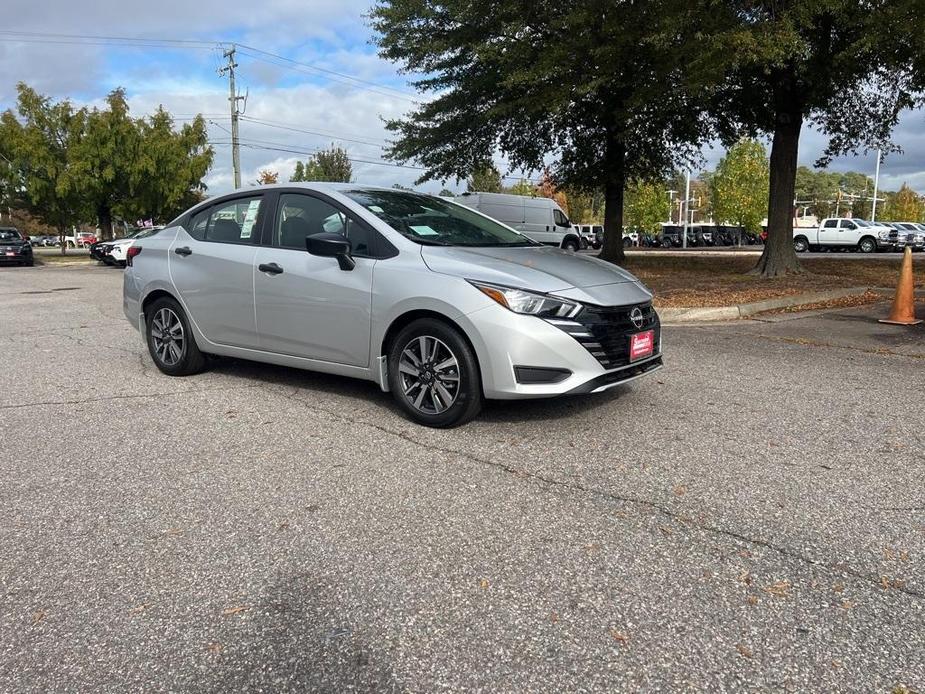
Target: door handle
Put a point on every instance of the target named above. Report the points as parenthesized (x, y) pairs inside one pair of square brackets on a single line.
[(183, 250), (270, 268)]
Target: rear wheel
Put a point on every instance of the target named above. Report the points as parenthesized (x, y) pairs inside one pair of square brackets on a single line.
[(867, 245), (433, 374), (800, 244), (170, 340)]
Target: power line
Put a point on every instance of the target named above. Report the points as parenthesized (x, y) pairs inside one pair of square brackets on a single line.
[(250, 51), (333, 75), (292, 128)]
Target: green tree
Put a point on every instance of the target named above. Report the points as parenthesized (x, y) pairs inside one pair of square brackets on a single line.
[(329, 165), (447, 193), (522, 187), (104, 158), (38, 141), (167, 173), (299, 174), (582, 81), (485, 178), (740, 186), (846, 66), (645, 206), (904, 206)]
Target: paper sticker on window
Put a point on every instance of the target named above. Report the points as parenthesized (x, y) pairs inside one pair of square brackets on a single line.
[(423, 230), (250, 218), (376, 209)]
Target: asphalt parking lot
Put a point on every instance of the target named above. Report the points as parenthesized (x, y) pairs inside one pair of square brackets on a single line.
[(749, 518)]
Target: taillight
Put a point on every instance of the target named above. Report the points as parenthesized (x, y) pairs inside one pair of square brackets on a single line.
[(131, 253)]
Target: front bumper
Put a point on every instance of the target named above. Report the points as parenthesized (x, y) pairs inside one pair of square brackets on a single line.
[(504, 340)]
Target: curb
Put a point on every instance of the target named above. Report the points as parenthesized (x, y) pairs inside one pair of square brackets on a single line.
[(727, 313)]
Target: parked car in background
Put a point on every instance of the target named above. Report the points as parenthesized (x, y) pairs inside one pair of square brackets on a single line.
[(44, 240), (14, 247), (82, 239), (591, 234), (842, 232), (540, 219), (116, 252), (906, 234), (432, 301)]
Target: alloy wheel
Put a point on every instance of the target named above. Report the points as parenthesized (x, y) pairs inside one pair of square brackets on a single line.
[(167, 336), (429, 374)]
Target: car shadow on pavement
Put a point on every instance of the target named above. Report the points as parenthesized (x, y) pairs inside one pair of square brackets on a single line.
[(510, 411), (296, 633)]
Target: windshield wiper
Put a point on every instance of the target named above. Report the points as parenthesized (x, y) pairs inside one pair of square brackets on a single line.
[(426, 242)]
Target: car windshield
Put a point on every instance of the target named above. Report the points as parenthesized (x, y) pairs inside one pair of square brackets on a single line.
[(861, 222), (145, 233), (9, 235), (428, 220)]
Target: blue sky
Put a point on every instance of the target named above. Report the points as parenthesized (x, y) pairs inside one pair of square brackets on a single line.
[(284, 99)]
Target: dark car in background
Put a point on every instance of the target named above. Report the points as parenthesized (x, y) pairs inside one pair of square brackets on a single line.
[(14, 247)]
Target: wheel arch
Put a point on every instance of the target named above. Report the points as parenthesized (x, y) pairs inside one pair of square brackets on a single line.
[(153, 296), (570, 237)]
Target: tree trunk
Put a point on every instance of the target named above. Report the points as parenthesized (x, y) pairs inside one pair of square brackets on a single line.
[(62, 232), (104, 214), (779, 258), (612, 250)]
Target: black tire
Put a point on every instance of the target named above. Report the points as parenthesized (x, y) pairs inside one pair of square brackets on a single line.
[(800, 244), (180, 357), (419, 394), (570, 244), (867, 245), (30, 262)]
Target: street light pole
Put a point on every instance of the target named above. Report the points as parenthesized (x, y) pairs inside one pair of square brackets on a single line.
[(687, 206), (873, 209)]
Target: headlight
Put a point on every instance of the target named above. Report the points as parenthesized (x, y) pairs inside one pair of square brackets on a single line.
[(884, 234), (529, 303)]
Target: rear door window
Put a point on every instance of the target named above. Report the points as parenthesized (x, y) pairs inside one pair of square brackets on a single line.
[(234, 221)]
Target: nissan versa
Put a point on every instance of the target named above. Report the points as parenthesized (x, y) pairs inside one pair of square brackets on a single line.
[(433, 301)]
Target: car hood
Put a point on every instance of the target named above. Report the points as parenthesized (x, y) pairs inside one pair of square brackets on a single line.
[(540, 269)]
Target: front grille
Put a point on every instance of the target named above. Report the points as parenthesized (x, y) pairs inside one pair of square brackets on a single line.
[(605, 331)]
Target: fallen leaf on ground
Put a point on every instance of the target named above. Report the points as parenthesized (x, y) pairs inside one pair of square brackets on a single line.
[(847, 604), (140, 608), (228, 611), (838, 587), (37, 616), (752, 599), (680, 490), (745, 577), (619, 636), (744, 650), (780, 589), (483, 584), (214, 648)]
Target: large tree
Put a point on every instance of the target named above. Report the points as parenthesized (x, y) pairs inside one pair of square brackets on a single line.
[(39, 140), (485, 178), (740, 186), (330, 165), (646, 206), (846, 67), (596, 86)]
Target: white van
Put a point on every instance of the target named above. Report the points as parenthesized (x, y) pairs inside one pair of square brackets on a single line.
[(541, 219)]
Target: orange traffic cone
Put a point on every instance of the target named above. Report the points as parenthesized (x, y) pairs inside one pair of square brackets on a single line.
[(903, 311)]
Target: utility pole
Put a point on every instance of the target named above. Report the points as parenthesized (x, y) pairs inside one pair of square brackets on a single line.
[(873, 209), (687, 207), (233, 98)]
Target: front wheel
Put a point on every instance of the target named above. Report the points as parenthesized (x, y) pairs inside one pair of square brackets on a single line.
[(867, 245), (170, 340), (570, 245), (433, 374)]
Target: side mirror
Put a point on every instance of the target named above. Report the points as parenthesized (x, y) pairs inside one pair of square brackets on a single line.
[(331, 245)]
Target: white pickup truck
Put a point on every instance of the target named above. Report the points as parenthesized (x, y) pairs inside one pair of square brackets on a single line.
[(842, 232)]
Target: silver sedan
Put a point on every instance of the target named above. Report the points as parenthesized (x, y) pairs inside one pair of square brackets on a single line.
[(435, 302)]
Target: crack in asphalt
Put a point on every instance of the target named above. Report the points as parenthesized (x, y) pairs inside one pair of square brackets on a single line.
[(104, 398), (838, 568)]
